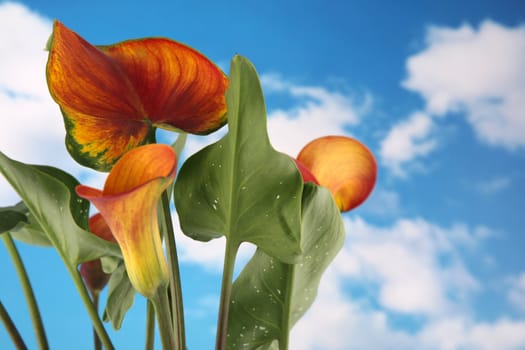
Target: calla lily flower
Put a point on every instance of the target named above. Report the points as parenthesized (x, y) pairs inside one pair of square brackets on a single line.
[(94, 277), (112, 97), (129, 203), (343, 165)]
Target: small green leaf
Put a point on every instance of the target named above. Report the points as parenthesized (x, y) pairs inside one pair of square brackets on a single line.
[(31, 233), (110, 263), (11, 216), (49, 194), (269, 296), (28, 230), (240, 187), (121, 296)]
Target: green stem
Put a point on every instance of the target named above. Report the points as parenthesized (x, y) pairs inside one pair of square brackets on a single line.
[(90, 308), (226, 290), (34, 311), (150, 326), (175, 285), (96, 340), (11, 328), (162, 309), (287, 305)]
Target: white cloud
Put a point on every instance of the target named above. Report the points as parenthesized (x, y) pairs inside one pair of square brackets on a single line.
[(461, 333), (33, 130), (480, 73), (493, 185), (516, 293), (20, 50), (417, 271), (404, 261), (336, 322), (316, 112), (406, 141)]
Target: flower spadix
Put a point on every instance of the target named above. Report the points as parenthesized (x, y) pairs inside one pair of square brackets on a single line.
[(343, 165), (113, 96), (129, 203)]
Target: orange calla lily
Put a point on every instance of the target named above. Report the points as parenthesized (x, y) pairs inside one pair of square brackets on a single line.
[(129, 203), (93, 275), (112, 97), (343, 165)]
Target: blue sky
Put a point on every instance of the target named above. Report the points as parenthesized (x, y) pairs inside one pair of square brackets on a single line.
[(434, 260)]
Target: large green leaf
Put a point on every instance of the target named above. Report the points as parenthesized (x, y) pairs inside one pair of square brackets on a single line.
[(50, 197), (121, 296), (240, 187), (269, 296)]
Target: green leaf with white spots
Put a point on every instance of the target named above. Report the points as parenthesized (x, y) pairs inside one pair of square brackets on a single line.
[(240, 187), (269, 296)]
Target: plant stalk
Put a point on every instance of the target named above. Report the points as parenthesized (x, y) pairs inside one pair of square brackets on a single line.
[(96, 340), (29, 295), (162, 309), (284, 337), (11, 329), (175, 285), (226, 289), (150, 326), (90, 308)]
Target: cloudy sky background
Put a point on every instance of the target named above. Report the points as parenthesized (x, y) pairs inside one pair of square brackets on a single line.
[(434, 260)]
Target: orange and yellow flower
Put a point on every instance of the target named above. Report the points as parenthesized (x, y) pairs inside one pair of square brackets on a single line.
[(92, 274), (129, 203), (112, 97), (343, 165)]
